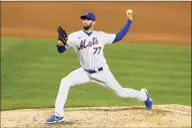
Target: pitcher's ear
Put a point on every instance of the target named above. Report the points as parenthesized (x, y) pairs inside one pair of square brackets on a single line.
[(93, 22)]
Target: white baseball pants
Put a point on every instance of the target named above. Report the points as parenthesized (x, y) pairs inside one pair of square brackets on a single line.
[(105, 78)]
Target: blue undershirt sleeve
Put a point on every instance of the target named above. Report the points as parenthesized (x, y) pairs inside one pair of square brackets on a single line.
[(61, 49), (123, 32)]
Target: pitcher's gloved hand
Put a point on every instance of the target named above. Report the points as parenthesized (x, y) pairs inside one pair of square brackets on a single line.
[(62, 35)]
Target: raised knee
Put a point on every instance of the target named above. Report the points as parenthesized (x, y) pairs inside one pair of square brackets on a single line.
[(65, 82)]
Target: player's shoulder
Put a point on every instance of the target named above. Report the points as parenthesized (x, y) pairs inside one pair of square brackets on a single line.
[(98, 31), (101, 33), (74, 34)]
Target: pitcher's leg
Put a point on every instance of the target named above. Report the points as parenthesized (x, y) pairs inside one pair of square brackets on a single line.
[(132, 93), (76, 77), (106, 78)]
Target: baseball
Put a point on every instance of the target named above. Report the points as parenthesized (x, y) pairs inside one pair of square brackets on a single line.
[(129, 11)]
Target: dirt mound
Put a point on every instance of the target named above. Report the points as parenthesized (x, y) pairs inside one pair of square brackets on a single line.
[(160, 116)]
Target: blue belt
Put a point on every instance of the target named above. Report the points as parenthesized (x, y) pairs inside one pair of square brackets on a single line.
[(94, 71)]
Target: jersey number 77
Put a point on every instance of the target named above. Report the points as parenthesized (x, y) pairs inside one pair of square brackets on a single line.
[(97, 50)]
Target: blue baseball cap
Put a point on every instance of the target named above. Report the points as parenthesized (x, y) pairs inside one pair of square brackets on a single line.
[(88, 15)]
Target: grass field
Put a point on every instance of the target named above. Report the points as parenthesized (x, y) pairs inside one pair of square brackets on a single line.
[(31, 71)]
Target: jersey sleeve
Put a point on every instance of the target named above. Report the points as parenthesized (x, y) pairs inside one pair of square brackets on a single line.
[(108, 38), (71, 41)]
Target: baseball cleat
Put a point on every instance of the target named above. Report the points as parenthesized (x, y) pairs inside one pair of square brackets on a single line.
[(148, 102), (54, 119)]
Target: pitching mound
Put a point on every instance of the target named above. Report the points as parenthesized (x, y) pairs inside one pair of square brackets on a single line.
[(160, 116)]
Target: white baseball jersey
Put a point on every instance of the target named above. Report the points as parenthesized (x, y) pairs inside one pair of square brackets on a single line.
[(90, 52), (90, 48)]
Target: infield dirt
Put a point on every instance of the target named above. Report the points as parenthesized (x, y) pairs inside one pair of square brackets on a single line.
[(160, 116)]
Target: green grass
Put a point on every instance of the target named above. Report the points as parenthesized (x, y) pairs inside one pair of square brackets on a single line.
[(31, 71)]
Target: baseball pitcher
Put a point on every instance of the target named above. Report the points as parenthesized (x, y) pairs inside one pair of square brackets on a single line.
[(89, 45)]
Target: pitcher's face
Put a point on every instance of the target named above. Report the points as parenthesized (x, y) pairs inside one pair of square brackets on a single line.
[(87, 23)]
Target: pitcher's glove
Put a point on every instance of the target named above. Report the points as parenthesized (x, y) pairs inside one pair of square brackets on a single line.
[(62, 35)]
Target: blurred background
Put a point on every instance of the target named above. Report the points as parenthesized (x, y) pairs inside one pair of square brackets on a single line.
[(153, 22)]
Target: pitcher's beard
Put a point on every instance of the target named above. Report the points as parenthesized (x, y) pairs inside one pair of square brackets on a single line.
[(87, 27)]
